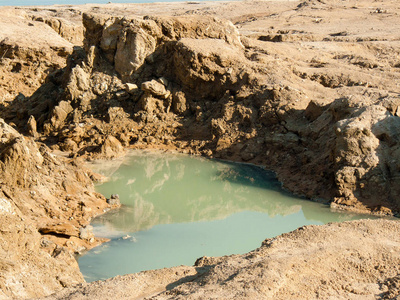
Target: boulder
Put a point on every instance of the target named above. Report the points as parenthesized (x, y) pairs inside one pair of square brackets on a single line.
[(208, 68), (155, 88), (78, 82), (151, 105), (135, 44), (111, 147), (57, 117)]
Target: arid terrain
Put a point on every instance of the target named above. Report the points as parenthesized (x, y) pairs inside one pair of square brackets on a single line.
[(308, 89)]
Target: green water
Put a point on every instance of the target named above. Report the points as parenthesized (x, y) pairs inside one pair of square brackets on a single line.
[(177, 208)]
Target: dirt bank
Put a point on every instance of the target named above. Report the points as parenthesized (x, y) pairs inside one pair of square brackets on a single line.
[(351, 260), (309, 89), (296, 89)]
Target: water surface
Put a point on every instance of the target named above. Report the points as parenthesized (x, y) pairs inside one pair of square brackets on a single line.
[(177, 208)]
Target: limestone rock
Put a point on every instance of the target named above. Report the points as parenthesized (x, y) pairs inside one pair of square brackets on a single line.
[(131, 87), (134, 44), (199, 62), (150, 104), (18, 156), (61, 112), (129, 43), (111, 147), (198, 27), (155, 88), (35, 183), (28, 259), (78, 82)]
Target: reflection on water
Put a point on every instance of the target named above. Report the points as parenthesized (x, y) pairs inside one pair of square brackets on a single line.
[(177, 208)]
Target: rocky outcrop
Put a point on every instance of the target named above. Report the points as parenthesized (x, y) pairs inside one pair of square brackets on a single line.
[(164, 81), (29, 51), (365, 157), (32, 265), (70, 31), (44, 201)]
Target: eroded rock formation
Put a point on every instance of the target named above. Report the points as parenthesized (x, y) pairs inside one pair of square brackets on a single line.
[(44, 201), (317, 104), (190, 83)]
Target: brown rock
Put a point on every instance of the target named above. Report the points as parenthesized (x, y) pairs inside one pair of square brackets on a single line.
[(135, 43), (155, 88), (78, 82), (59, 229), (58, 116), (111, 147), (151, 104), (86, 233), (131, 87), (32, 127)]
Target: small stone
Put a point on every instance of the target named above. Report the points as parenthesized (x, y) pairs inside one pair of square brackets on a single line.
[(86, 233), (163, 80), (120, 94), (114, 200), (131, 87), (155, 88)]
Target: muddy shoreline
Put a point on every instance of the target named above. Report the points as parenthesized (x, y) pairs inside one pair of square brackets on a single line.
[(308, 89)]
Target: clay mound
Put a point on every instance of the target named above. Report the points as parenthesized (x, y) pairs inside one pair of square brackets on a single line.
[(351, 260)]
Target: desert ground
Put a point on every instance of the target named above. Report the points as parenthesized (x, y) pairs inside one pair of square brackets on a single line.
[(308, 89)]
